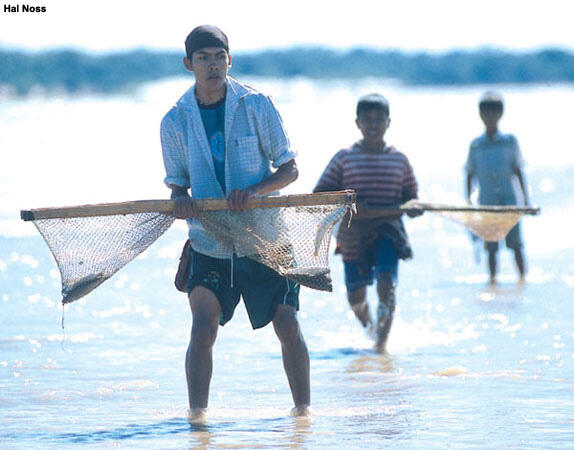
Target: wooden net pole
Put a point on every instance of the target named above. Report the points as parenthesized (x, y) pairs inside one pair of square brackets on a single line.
[(166, 206)]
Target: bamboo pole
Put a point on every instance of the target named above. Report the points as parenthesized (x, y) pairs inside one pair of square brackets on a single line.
[(166, 206), (475, 208), (436, 207)]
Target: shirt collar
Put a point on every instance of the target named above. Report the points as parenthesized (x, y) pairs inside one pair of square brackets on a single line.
[(495, 138), (358, 146), (235, 91)]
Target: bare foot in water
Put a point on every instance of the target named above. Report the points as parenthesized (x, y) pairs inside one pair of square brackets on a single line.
[(301, 411), (382, 333), (196, 415), (381, 349)]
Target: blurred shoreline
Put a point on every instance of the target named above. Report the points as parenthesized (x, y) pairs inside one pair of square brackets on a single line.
[(64, 71)]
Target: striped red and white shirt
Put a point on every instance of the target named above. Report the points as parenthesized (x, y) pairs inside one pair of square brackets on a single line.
[(381, 178)]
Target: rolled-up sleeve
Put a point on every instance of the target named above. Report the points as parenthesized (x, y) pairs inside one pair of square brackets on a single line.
[(174, 159), (470, 165), (517, 158), (273, 137)]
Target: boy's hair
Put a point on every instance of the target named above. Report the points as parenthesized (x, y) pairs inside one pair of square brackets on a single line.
[(491, 101), (373, 101), (205, 36)]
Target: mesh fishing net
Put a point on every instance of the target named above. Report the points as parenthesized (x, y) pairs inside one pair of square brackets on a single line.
[(290, 234), (89, 249), (489, 226), (292, 241), (491, 223)]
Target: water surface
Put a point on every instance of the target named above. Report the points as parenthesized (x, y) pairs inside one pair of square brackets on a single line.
[(469, 366)]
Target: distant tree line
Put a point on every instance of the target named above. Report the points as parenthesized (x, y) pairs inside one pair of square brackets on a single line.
[(73, 71)]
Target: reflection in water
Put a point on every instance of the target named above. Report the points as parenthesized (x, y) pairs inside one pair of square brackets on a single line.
[(451, 371), (240, 433), (298, 431), (133, 431), (371, 362), (241, 428), (200, 436), (374, 399), (502, 292)]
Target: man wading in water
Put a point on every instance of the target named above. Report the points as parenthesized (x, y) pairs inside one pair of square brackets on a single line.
[(222, 139)]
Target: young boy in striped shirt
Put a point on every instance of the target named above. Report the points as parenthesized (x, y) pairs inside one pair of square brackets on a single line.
[(372, 246)]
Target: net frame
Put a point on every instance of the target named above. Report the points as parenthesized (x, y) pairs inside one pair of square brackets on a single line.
[(469, 216), (159, 212), (346, 197), (490, 223)]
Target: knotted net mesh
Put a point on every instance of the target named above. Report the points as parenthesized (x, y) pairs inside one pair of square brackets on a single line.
[(89, 250), (292, 240), (292, 236)]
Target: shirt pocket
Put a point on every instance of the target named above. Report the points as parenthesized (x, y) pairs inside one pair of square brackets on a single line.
[(246, 142), (246, 160)]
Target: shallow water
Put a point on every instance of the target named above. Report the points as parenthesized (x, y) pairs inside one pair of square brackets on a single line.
[(469, 366)]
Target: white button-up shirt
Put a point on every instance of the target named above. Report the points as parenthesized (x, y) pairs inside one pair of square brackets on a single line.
[(255, 140)]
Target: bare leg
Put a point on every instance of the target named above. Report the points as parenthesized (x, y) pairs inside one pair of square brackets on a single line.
[(520, 263), (358, 301), (385, 310), (295, 356), (492, 265), (205, 311)]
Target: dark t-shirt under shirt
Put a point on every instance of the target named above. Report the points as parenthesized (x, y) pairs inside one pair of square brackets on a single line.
[(213, 117)]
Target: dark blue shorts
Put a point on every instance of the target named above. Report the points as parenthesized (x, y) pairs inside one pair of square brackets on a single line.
[(385, 260), (261, 288)]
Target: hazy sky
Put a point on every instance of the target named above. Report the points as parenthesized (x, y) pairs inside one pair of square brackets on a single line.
[(254, 24)]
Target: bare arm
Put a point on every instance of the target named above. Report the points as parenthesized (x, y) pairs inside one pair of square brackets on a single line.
[(468, 186), (523, 187), (283, 176), (238, 198)]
